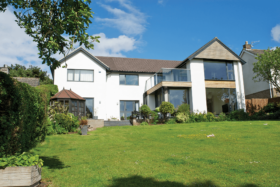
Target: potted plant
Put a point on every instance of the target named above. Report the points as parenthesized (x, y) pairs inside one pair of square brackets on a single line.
[(84, 125), (122, 118), (113, 118)]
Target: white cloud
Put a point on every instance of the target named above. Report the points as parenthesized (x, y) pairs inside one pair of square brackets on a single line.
[(132, 22), (16, 47), (275, 33), (160, 1)]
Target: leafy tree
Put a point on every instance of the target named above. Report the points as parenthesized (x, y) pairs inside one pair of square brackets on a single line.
[(49, 21), (166, 108), (145, 110), (32, 71), (268, 67)]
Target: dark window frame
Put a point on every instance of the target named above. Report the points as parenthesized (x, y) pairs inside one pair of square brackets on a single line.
[(125, 80), (80, 75), (228, 71)]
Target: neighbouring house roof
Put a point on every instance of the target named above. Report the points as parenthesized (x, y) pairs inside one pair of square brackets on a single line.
[(67, 94), (200, 50), (255, 51), (137, 65), (29, 80)]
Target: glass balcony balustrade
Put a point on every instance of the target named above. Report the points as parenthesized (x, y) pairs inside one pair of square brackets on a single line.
[(168, 75)]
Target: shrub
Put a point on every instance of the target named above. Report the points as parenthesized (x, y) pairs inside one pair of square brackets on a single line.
[(154, 116), (145, 110), (222, 117), (47, 91), (182, 117), (210, 116), (271, 108), (171, 121), (22, 116), (184, 108), (24, 159), (165, 108), (144, 123), (238, 115), (58, 129)]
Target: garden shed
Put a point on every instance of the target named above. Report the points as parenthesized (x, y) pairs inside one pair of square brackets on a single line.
[(69, 98)]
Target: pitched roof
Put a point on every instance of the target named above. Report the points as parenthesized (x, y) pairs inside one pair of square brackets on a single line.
[(87, 53), (67, 94), (197, 52), (255, 51), (137, 65)]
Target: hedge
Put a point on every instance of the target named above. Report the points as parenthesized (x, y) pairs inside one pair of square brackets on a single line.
[(47, 91), (22, 116)]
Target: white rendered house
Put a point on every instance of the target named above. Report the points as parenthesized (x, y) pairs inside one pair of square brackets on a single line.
[(254, 89), (210, 80)]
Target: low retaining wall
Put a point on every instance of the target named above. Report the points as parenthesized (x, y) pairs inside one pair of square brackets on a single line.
[(117, 123), (95, 123)]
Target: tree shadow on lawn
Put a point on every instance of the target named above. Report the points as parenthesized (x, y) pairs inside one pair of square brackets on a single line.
[(138, 181), (53, 162)]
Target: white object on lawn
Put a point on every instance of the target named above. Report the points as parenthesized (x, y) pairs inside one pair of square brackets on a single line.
[(210, 135)]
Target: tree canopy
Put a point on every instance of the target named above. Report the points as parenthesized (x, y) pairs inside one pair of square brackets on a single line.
[(32, 71), (50, 22), (267, 68)]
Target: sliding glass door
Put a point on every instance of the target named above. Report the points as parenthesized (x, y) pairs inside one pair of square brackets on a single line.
[(127, 107)]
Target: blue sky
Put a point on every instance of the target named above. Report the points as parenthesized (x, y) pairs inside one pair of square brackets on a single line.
[(160, 29)]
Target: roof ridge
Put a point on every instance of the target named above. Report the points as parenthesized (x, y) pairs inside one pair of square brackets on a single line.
[(136, 58)]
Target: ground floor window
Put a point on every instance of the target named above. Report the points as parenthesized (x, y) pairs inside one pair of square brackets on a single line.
[(178, 96), (127, 107), (158, 97), (220, 100), (89, 107)]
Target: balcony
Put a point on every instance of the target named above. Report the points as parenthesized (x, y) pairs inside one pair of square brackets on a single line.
[(168, 77)]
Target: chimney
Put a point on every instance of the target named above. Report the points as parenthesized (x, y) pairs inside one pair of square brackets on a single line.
[(247, 46)]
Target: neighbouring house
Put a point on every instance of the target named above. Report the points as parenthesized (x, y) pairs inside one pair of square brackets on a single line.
[(210, 80), (254, 89), (32, 81)]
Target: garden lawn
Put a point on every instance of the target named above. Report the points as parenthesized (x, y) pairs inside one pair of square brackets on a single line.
[(242, 153)]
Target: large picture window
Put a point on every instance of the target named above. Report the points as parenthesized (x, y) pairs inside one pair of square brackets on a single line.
[(218, 71), (129, 80), (178, 97), (80, 75)]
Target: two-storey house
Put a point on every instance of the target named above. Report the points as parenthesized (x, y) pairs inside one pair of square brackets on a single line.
[(210, 80)]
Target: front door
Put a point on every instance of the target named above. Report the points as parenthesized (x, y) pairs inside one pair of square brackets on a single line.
[(127, 107)]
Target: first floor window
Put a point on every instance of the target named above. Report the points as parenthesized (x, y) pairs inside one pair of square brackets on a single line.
[(218, 70), (80, 75), (129, 80)]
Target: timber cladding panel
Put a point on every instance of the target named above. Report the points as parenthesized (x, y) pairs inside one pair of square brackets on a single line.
[(169, 84), (20, 176), (220, 84), (216, 51)]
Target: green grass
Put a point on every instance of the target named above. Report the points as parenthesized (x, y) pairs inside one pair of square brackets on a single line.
[(242, 154)]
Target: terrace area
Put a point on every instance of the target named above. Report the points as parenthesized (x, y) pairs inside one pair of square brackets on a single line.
[(168, 77)]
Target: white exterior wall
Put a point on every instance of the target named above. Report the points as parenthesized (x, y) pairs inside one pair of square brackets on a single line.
[(239, 83), (116, 92), (250, 85), (198, 92), (106, 90)]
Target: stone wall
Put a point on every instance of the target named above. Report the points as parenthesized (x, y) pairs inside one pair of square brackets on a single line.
[(29, 80)]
